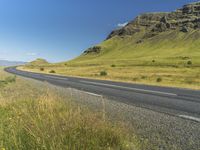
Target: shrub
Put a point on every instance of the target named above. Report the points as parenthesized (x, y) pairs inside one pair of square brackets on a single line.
[(52, 71), (143, 77), (113, 65), (159, 79), (42, 69), (153, 61), (135, 79), (189, 62), (103, 73)]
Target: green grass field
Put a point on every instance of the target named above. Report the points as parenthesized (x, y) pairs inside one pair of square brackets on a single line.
[(169, 59), (34, 116)]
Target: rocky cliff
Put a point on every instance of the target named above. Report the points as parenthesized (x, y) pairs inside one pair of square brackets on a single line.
[(184, 19)]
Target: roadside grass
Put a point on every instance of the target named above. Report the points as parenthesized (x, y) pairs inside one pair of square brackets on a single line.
[(4, 79), (184, 77), (35, 116)]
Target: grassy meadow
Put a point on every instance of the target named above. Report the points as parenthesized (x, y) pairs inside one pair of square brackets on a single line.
[(35, 116), (169, 59)]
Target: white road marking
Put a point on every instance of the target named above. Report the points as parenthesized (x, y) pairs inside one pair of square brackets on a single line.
[(129, 88), (93, 94), (190, 118)]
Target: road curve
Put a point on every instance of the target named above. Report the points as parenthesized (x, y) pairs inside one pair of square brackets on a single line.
[(183, 103)]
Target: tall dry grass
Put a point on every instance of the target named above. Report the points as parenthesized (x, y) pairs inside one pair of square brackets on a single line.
[(36, 117)]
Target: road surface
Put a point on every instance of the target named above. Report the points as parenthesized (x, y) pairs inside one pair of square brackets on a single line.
[(182, 103)]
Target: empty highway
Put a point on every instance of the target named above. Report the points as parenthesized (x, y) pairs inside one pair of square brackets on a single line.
[(178, 102)]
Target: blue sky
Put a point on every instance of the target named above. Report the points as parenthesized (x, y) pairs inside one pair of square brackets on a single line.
[(59, 30)]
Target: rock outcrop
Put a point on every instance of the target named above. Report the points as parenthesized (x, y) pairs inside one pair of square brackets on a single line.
[(94, 49), (184, 19)]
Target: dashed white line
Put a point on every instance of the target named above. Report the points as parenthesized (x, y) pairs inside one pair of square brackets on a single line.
[(190, 118), (129, 88), (93, 94)]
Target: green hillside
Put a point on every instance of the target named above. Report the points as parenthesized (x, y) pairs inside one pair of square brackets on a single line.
[(168, 48)]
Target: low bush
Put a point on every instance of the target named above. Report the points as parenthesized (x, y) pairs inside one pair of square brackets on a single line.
[(52, 71), (103, 73), (113, 65), (135, 79), (143, 77), (189, 62), (41, 69), (159, 79)]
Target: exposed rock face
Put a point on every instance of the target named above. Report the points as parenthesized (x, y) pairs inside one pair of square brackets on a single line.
[(184, 19), (184, 29), (95, 49)]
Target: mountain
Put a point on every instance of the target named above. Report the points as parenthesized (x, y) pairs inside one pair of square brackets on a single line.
[(162, 36), (7, 63)]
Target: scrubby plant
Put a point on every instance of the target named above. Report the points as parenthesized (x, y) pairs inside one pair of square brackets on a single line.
[(143, 77), (113, 65), (52, 71), (135, 79), (41, 69), (189, 62), (159, 79), (103, 73)]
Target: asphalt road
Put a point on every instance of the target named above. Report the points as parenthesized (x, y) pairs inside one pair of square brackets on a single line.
[(182, 103)]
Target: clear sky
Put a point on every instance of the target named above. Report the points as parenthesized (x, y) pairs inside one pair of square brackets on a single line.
[(59, 30)]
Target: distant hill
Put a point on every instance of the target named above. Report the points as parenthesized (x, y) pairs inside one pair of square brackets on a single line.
[(7, 63), (38, 61)]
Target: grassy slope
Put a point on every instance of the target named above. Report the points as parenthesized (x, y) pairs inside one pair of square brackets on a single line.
[(171, 51), (34, 117), (166, 46)]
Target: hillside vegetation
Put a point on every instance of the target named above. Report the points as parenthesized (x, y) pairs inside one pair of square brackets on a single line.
[(155, 48), (33, 116)]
